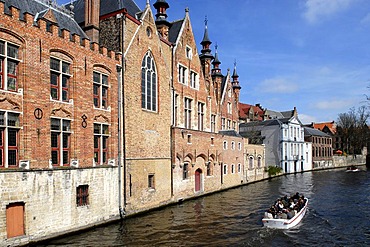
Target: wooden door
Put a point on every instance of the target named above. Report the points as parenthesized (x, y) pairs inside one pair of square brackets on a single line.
[(15, 219), (198, 174)]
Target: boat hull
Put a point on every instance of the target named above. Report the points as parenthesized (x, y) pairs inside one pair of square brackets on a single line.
[(286, 223)]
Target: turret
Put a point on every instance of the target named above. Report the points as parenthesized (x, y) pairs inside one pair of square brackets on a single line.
[(235, 84), (161, 18), (206, 55)]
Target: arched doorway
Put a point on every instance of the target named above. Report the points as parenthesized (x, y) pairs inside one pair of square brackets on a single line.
[(198, 180)]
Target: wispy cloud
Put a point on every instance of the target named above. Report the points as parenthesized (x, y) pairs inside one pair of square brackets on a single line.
[(334, 104), (278, 85), (306, 119), (317, 9), (366, 20)]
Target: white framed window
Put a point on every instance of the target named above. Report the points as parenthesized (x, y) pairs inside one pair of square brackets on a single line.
[(9, 142), (187, 112), (239, 146), (189, 52), (259, 162), (239, 168), (234, 125), (183, 75), (60, 141), (223, 123), (149, 85), (60, 76), (229, 107), (232, 168), (100, 90), (201, 107), (232, 145), (194, 80), (185, 171), (213, 123), (225, 145), (189, 138), (101, 137), (228, 124), (225, 169), (9, 62)]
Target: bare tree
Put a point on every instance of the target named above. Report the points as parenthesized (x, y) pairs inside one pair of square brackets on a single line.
[(353, 129)]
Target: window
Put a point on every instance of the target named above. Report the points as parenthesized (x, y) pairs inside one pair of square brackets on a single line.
[(232, 168), (239, 168), (239, 146), (183, 75), (251, 162), (228, 124), (225, 169), (193, 79), (176, 109), (189, 53), (148, 83), (209, 169), (101, 135), (189, 138), (188, 113), (212, 141), (59, 79), (200, 116), (225, 145), (82, 195), (100, 90), (229, 93), (9, 140), (151, 181), (185, 170), (60, 141), (223, 123), (213, 123), (229, 110), (234, 125), (259, 162), (9, 62), (233, 145)]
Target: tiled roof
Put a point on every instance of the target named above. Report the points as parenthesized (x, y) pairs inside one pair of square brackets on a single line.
[(39, 8), (321, 126), (106, 7), (244, 110), (314, 132)]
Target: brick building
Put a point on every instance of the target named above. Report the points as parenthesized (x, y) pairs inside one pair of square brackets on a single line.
[(58, 112), (108, 109), (322, 152)]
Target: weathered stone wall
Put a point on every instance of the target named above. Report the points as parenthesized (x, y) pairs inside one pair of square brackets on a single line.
[(343, 161), (49, 198)]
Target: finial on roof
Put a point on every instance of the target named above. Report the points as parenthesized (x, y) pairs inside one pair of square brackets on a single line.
[(216, 60), (147, 2), (187, 10), (235, 75)]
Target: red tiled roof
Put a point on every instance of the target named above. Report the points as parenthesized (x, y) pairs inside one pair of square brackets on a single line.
[(244, 110), (330, 125)]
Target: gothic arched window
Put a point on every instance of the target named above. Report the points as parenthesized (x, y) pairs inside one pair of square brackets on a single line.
[(148, 83)]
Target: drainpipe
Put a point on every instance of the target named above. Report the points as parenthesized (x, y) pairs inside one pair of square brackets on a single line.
[(121, 121), (173, 118)]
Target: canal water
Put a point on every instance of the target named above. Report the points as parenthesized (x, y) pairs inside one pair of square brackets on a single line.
[(338, 215)]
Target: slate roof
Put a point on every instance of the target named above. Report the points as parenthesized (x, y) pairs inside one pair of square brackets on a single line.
[(229, 133), (106, 7), (314, 132), (39, 8), (174, 31)]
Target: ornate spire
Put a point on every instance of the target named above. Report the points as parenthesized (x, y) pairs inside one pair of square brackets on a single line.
[(235, 75), (161, 6), (216, 71), (206, 42)]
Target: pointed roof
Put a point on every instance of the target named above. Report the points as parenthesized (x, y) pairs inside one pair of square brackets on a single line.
[(314, 132), (174, 30), (235, 75), (206, 39), (61, 15)]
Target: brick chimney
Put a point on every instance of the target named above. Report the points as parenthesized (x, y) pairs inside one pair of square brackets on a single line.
[(92, 13)]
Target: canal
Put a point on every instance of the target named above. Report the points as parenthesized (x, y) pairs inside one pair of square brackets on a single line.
[(338, 215)]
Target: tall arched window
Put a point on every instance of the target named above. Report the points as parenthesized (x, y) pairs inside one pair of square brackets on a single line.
[(148, 83)]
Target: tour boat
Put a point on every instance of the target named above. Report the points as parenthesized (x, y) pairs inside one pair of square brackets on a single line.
[(352, 169), (286, 223)]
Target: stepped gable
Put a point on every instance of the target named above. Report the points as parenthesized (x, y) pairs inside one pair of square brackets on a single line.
[(106, 7), (40, 9)]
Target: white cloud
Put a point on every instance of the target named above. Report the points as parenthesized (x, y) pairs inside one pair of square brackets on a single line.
[(333, 104), (278, 85), (317, 9), (306, 119)]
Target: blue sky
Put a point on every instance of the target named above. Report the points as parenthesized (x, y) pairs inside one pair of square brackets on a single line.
[(309, 54)]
